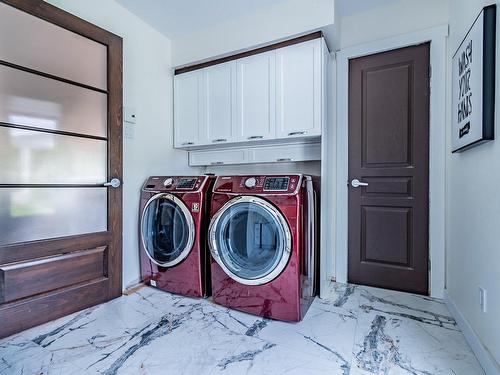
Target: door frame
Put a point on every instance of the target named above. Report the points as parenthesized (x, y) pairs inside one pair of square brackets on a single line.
[(437, 150), (113, 236)]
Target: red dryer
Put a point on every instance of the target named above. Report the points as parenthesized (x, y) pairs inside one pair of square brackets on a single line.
[(174, 214), (263, 237)]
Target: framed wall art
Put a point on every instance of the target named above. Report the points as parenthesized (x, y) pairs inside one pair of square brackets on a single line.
[(473, 75)]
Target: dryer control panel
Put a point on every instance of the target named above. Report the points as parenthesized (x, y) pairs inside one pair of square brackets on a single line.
[(174, 183), (254, 184)]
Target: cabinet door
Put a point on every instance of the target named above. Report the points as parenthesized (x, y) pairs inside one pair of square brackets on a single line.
[(187, 109), (218, 104), (217, 157), (285, 153), (299, 90), (256, 97)]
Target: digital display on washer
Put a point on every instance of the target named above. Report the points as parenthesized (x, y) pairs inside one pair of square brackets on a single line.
[(276, 183), (186, 183)]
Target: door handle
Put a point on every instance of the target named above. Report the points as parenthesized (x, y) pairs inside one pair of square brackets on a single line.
[(219, 140), (356, 183), (114, 183)]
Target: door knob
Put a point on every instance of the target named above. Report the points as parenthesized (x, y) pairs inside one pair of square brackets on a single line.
[(114, 183), (356, 183)]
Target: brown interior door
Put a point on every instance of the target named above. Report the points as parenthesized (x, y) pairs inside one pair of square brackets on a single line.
[(389, 151), (60, 142)]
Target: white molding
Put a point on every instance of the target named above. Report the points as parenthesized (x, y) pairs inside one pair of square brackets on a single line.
[(328, 182), (437, 158), (482, 354)]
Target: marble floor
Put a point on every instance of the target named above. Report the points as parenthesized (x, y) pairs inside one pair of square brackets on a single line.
[(358, 330)]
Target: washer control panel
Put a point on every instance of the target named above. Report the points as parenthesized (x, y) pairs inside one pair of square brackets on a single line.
[(186, 183), (277, 184), (174, 183)]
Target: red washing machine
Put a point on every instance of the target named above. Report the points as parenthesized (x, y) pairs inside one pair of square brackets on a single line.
[(263, 237), (174, 214)]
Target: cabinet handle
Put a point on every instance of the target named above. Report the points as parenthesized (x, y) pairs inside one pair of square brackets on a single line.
[(219, 140), (297, 133), (187, 143), (255, 137), (217, 163), (284, 159)]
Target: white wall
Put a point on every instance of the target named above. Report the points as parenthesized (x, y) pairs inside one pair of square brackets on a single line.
[(147, 86), (329, 182), (275, 22), (473, 207), (391, 20)]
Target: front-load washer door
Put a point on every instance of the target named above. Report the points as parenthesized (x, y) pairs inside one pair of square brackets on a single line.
[(167, 230), (250, 239)]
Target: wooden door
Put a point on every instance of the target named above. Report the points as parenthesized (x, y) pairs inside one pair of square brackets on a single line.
[(389, 151), (256, 97), (187, 109), (219, 104), (299, 89), (60, 142)]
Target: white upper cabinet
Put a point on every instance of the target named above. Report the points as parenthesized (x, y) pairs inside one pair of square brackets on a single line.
[(218, 109), (255, 107), (187, 109), (299, 90), (275, 95)]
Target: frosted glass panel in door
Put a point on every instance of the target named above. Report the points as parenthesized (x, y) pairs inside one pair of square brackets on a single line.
[(29, 214), (32, 100), (256, 96), (33, 157), (40, 45)]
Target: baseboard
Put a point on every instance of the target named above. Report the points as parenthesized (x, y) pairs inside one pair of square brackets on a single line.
[(488, 363), (324, 287), (132, 288)]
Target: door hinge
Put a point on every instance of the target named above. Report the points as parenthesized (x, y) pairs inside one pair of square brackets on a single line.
[(429, 264), (430, 71)]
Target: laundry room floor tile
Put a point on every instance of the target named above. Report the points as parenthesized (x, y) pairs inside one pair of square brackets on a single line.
[(401, 333), (357, 330)]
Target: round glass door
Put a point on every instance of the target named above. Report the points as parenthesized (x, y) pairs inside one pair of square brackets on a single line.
[(250, 240), (167, 230)]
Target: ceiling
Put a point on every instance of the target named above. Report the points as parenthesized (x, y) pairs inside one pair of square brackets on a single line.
[(351, 7), (175, 18), (181, 17)]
